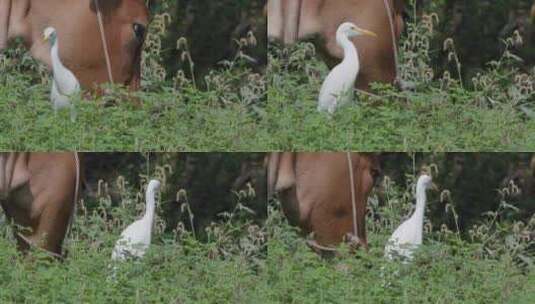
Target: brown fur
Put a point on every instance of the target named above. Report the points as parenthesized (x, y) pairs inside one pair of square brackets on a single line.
[(319, 200), (39, 197), (81, 49), (322, 18), (106, 6)]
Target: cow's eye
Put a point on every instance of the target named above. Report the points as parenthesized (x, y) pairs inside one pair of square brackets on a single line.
[(139, 31)]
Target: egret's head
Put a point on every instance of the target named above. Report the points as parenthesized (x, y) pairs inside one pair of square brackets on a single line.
[(426, 181), (350, 30), (154, 185), (50, 35)]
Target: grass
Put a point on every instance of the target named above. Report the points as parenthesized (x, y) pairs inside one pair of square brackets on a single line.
[(222, 265), (241, 110), (416, 121), (168, 274), (238, 261), (171, 113), (450, 266), (164, 121), (440, 274), (492, 112)]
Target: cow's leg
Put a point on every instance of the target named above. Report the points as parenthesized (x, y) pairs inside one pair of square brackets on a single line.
[(51, 226), (286, 171), (290, 206), (363, 185), (275, 19), (48, 219), (282, 180), (273, 160), (283, 19), (3, 175), (5, 9), (281, 172), (13, 172), (19, 25), (291, 20), (46, 202)]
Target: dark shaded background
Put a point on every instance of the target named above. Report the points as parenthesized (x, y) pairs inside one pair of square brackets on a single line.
[(474, 180), (478, 27), (210, 180), (211, 28)]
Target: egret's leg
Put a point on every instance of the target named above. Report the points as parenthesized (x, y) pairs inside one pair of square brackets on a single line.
[(332, 107), (73, 113)]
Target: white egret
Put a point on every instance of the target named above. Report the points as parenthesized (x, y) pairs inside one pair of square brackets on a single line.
[(408, 236), (337, 88), (64, 83), (135, 239)]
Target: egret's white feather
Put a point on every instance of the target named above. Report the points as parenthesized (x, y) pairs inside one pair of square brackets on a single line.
[(59, 100), (64, 84), (408, 236), (136, 238), (67, 83), (337, 88)]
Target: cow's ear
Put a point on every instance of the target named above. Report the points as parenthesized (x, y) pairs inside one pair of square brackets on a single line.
[(106, 6)]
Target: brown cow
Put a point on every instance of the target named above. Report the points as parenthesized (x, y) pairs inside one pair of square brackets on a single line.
[(315, 192), (291, 20), (38, 191), (81, 49)]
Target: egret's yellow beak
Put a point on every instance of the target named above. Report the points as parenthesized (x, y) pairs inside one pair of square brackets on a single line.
[(45, 38), (434, 187), (366, 32)]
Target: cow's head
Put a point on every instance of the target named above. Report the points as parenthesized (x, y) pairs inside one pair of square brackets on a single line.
[(81, 48)]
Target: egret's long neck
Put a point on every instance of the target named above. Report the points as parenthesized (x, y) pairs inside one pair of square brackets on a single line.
[(149, 208), (351, 56), (421, 199), (57, 66)]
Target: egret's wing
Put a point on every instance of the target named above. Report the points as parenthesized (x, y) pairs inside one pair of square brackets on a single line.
[(136, 232), (66, 81), (404, 240), (58, 100), (409, 232), (337, 86), (127, 248), (134, 240)]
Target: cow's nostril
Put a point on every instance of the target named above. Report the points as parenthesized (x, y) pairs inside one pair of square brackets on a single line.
[(139, 31)]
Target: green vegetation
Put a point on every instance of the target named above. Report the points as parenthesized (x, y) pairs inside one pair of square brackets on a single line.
[(492, 111), (492, 263), (216, 109), (165, 121), (478, 26), (219, 265), (238, 261), (228, 108)]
